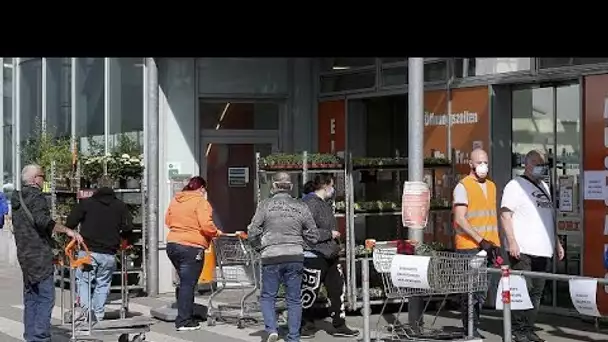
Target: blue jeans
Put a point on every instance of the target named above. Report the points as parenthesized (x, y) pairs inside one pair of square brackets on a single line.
[(289, 274), (38, 300), (103, 266), (188, 261)]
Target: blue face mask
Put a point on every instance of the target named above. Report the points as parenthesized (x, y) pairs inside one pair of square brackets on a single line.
[(539, 171)]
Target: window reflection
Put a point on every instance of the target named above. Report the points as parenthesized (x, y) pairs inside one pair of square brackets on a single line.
[(126, 100), (59, 97), (239, 115), (89, 103), (30, 100)]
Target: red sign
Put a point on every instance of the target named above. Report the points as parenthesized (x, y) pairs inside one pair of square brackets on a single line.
[(86, 193)]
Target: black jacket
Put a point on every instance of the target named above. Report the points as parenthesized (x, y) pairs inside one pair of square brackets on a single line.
[(324, 217), (103, 218), (33, 239)]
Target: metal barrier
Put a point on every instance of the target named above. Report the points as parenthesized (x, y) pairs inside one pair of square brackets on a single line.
[(506, 272)]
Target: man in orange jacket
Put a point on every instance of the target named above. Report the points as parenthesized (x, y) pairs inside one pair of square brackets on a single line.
[(476, 223)]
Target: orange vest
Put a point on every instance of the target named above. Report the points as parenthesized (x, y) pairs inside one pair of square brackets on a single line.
[(481, 214)]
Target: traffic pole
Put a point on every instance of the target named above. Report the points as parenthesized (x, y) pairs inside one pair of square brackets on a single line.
[(506, 303), (415, 160), (366, 301)]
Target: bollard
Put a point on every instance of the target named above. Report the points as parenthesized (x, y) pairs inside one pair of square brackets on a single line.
[(506, 301), (366, 304)]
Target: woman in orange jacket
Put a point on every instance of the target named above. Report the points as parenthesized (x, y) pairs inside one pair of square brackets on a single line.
[(191, 229)]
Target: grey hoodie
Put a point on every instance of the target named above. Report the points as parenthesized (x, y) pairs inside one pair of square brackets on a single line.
[(282, 228)]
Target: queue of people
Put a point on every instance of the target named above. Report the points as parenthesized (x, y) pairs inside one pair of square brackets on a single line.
[(297, 240)]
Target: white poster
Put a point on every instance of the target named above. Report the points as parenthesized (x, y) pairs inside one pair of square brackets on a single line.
[(583, 294), (595, 182), (410, 271), (566, 194), (520, 298)]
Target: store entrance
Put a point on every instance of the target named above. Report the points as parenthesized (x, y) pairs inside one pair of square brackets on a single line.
[(228, 165), (232, 131), (548, 118)]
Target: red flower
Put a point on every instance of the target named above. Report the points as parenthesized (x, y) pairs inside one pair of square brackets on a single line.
[(405, 247)]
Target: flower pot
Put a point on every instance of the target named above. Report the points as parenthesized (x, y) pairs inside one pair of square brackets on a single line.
[(133, 183)]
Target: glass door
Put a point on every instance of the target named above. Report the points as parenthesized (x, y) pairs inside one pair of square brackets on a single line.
[(548, 119), (228, 165)]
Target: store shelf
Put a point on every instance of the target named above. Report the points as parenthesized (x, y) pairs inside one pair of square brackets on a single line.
[(61, 205), (439, 174)]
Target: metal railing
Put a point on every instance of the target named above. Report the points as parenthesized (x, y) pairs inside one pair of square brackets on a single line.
[(504, 271)]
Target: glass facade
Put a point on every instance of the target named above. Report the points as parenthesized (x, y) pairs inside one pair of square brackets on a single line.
[(99, 102)]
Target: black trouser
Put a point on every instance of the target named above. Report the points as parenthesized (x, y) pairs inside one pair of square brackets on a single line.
[(523, 321), (188, 261), (328, 272)]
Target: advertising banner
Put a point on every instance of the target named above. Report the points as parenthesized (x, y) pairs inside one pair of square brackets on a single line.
[(595, 162)]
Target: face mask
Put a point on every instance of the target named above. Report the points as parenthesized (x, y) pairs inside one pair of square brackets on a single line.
[(538, 171), (482, 170), (330, 191)]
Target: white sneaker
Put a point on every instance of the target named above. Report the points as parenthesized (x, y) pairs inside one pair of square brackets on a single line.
[(274, 337), (190, 326)]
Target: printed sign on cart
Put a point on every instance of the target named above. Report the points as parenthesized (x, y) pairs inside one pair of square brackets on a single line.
[(583, 293), (410, 271), (520, 299)]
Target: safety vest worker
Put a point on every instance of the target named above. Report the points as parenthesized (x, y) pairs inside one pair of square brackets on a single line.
[(475, 222)]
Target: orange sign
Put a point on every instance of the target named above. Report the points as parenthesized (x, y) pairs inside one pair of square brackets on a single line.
[(595, 155), (470, 122)]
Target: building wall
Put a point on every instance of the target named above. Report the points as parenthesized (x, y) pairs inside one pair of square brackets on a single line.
[(183, 82)]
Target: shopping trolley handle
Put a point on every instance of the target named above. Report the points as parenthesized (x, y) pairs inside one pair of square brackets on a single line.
[(77, 262), (239, 234)]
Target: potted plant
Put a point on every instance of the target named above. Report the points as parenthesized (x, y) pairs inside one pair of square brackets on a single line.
[(44, 149)]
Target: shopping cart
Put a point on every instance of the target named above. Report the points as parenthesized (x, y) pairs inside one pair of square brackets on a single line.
[(238, 267), (83, 330), (448, 274)]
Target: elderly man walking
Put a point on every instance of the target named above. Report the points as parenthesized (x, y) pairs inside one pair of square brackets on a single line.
[(528, 219), (33, 228), (476, 223), (281, 229)]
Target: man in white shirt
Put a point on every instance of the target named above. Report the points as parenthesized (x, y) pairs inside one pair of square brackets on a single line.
[(527, 216)]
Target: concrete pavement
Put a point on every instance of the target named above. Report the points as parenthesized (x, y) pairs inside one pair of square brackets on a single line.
[(554, 328)]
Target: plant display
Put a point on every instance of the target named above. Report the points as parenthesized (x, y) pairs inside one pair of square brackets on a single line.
[(43, 148), (284, 161), (281, 161), (379, 162), (387, 206), (395, 162), (376, 206), (124, 162), (323, 161)]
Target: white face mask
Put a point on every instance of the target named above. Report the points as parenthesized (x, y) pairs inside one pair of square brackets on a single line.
[(481, 170), (330, 191)]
